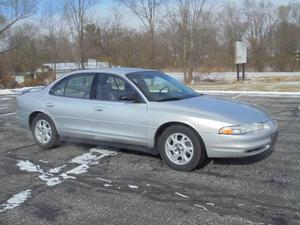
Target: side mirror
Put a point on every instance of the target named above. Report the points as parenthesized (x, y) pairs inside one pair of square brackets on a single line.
[(130, 98)]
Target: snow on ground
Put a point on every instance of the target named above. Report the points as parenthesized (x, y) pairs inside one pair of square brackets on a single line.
[(87, 159), (52, 177), (19, 90), (252, 93), (232, 75), (15, 200)]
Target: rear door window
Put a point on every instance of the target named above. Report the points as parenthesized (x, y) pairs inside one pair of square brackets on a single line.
[(76, 86), (111, 87)]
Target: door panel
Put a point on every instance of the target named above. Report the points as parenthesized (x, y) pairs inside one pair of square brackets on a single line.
[(114, 120), (72, 116), (120, 122), (70, 105)]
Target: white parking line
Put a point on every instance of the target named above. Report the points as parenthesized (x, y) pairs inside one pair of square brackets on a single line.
[(201, 207), (133, 186), (1, 108), (237, 96), (181, 195), (7, 114), (4, 99), (105, 180)]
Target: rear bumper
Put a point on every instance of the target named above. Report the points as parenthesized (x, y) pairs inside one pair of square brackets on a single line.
[(235, 146)]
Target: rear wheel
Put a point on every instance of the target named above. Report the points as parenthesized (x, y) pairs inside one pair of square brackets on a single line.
[(181, 149), (44, 132)]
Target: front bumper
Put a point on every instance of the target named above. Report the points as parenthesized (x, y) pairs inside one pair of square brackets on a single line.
[(232, 146)]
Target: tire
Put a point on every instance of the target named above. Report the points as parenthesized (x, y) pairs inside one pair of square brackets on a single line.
[(190, 151), (42, 124)]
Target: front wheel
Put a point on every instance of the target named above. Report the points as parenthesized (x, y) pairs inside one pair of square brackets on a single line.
[(44, 132), (181, 149)]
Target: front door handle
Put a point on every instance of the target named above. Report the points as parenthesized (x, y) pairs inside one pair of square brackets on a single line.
[(98, 109), (49, 104)]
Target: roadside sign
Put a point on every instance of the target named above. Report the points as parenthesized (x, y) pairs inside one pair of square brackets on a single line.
[(240, 52)]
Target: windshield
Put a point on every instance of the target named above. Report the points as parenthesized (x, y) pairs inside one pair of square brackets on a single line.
[(157, 86)]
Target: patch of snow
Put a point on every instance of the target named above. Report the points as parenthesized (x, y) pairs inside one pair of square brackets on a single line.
[(87, 159), (6, 92), (79, 169), (133, 186), (181, 195), (17, 91), (4, 99), (1, 108), (57, 169), (29, 166), (232, 75), (65, 176), (54, 177), (253, 93), (107, 185), (50, 179), (240, 204), (15, 200)]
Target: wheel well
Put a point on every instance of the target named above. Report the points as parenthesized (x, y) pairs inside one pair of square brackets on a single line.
[(163, 127), (32, 116)]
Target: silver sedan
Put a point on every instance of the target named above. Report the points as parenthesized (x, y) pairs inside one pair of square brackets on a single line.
[(145, 110)]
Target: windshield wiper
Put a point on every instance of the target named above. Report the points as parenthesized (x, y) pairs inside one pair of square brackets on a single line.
[(169, 99)]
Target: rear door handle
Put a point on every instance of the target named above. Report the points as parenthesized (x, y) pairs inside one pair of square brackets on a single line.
[(49, 104), (98, 109)]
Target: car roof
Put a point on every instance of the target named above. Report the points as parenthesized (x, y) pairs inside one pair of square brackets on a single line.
[(113, 70)]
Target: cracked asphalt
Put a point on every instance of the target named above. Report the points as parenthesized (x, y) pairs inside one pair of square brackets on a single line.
[(135, 188)]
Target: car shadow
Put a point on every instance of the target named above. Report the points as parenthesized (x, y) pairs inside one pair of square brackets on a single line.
[(245, 160), (216, 161)]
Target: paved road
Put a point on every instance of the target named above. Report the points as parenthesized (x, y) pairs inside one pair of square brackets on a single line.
[(132, 188)]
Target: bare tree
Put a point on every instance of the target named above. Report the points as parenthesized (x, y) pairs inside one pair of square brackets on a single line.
[(146, 11), (261, 22), (286, 38), (13, 11), (184, 21), (53, 26), (232, 29), (76, 12)]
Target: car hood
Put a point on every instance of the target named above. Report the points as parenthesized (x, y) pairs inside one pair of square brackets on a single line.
[(224, 110)]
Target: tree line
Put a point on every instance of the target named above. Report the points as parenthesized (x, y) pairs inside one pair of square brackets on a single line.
[(181, 35)]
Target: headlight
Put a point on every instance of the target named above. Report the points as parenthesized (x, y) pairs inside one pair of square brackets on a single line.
[(243, 129)]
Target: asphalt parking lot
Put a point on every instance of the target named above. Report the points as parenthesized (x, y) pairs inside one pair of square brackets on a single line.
[(77, 184)]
